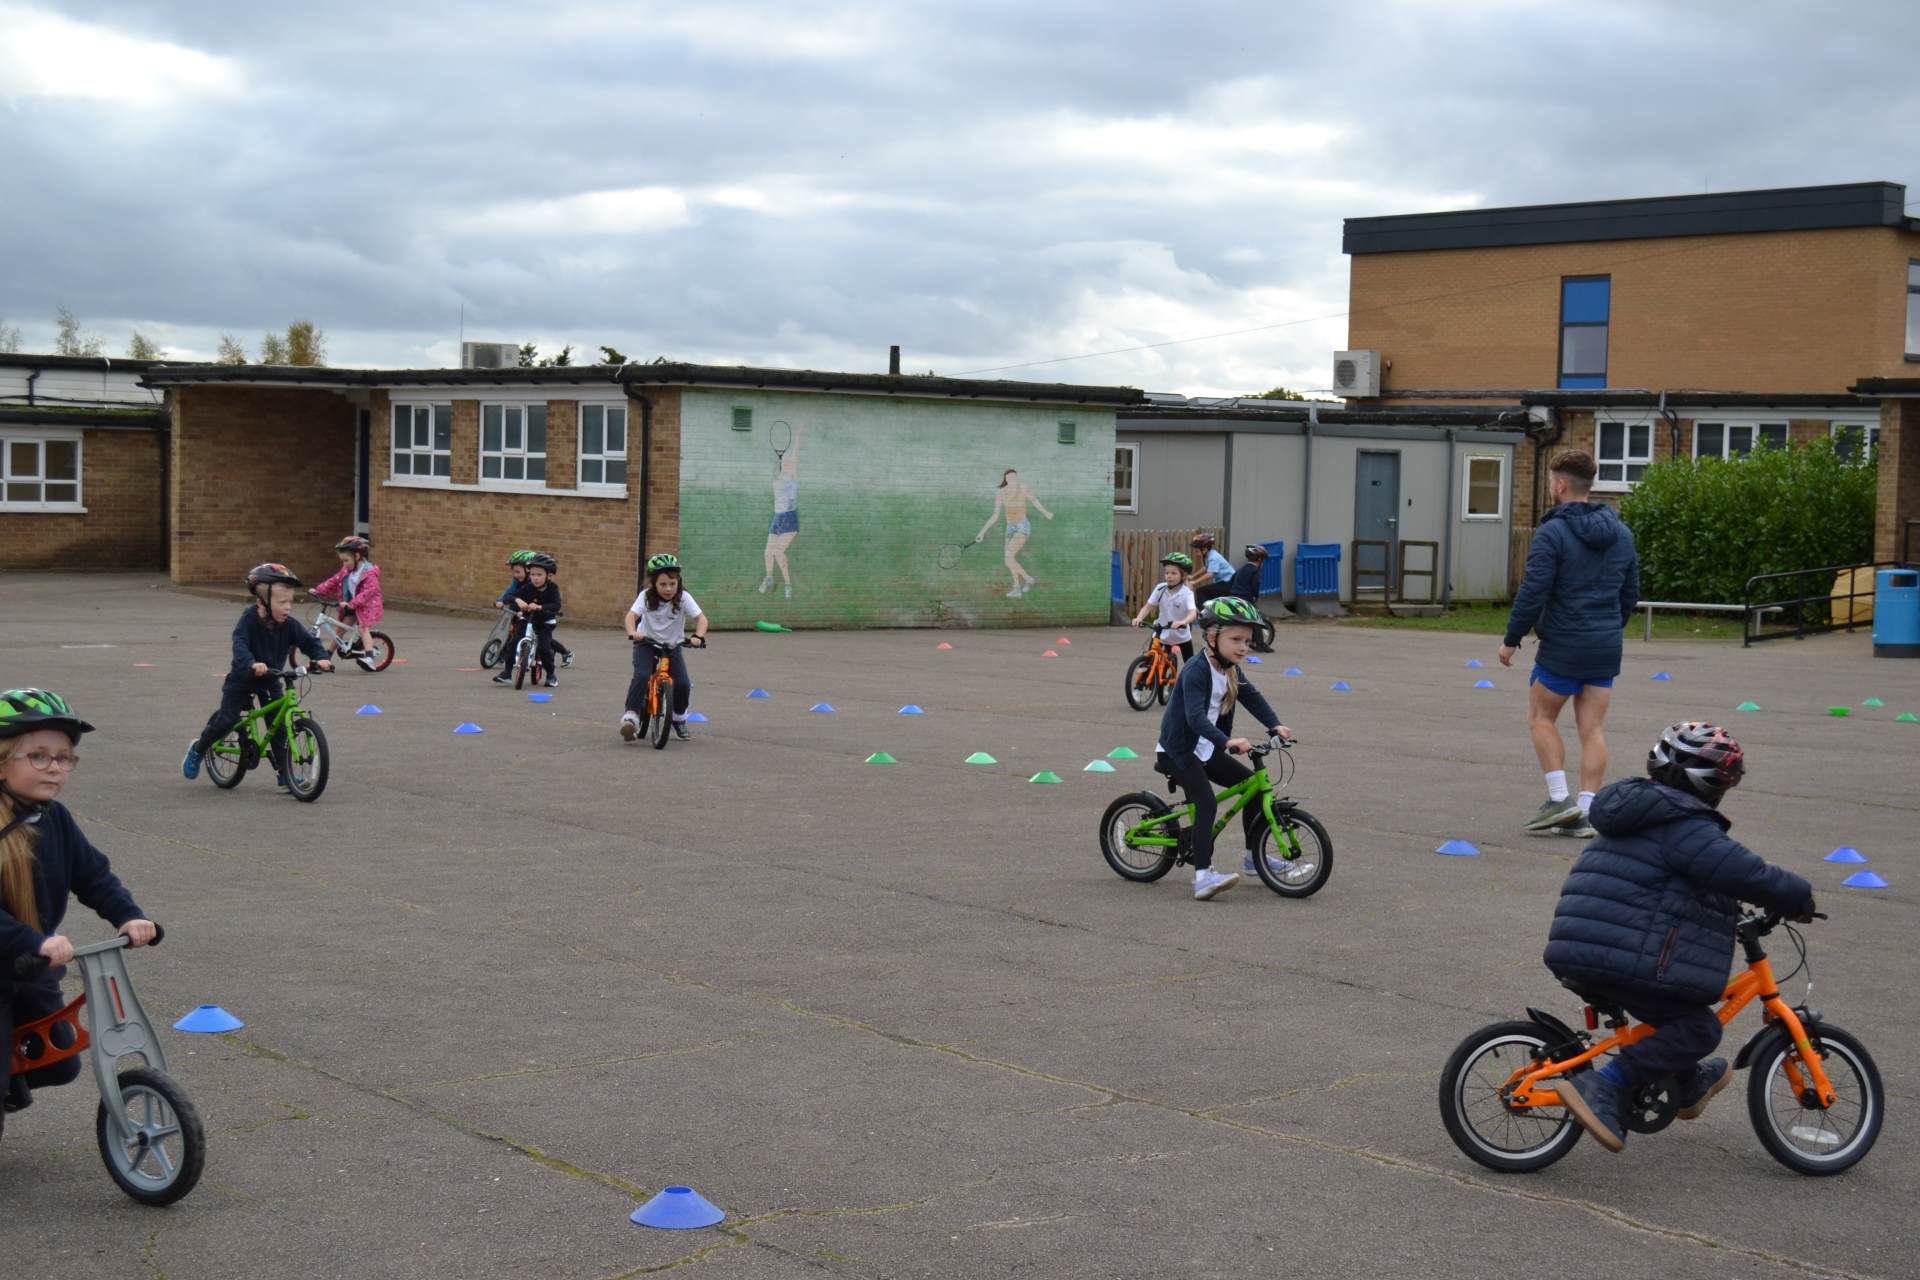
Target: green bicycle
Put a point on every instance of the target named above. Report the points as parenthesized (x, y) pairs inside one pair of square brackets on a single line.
[(280, 731), (1143, 837)]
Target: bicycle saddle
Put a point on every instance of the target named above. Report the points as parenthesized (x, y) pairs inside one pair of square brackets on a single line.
[(1606, 1006)]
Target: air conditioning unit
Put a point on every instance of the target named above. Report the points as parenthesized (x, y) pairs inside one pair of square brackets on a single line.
[(1356, 374), (489, 355)]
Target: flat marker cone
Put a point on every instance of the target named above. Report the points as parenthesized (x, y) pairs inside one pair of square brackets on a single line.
[(1873, 702), (369, 710), (943, 645), (759, 693), (1098, 766), (1474, 664), (1063, 640), (1483, 684), (539, 696), (143, 666), (1293, 671), (1907, 717), (1840, 711), (881, 757), (469, 668), (824, 708), (1748, 705), (468, 727), (1049, 654), (1663, 675), (1255, 658), (1341, 686), (1864, 880), (677, 1209), (1123, 753), (912, 709), (981, 757), (1046, 777), (1845, 853), (694, 717), (209, 1019), (1458, 849)]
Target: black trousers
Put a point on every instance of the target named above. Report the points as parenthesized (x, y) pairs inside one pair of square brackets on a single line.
[(1194, 779), (236, 697), (24, 1000), (1687, 1033), (645, 654)]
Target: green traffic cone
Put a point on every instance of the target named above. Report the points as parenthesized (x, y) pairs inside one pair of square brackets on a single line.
[(1907, 717), (1045, 777), (1873, 702), (1748, 705), (1098, 766), (981, 757), (881, 757), (1123, 753)]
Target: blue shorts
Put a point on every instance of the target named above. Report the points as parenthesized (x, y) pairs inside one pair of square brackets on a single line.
[(785, 522), (1019, 529), (1565, 686)]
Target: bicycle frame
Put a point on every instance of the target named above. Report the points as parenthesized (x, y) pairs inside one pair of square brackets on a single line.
[(1162, 831), (267, 723), (328, 625), (1161, 670)]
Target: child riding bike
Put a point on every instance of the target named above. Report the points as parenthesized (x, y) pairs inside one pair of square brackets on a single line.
[(1195, 734), (537, 601), (263, 639), (657, 624), (43, 859), (1175, 599), (1646, 922), (356, 586)]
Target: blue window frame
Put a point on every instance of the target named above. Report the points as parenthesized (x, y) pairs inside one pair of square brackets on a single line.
[(1585, 305)]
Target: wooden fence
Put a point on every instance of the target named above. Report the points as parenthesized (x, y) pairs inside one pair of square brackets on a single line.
[(1140, 551), (1519, 542)]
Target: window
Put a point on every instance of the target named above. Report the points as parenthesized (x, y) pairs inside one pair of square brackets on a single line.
[(39, 473), (1484, 478), (1849, 437), (423, 440), (1913, 310), (603, 444), (1126, 469), (513, 442), (742, 418), (1585, 304), (1736, 439), (1625, 450), (1068, 431)]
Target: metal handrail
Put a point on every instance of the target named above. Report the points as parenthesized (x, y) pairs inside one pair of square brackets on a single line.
[(1801, 627)]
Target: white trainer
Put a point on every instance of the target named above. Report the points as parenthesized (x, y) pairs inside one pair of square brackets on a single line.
[(629, 726), (1208, 883)]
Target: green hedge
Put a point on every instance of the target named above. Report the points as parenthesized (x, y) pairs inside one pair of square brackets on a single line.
[(1703, 527)]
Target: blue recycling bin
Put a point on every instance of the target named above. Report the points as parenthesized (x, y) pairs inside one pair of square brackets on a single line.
[(1119, 579), (1896, 613)]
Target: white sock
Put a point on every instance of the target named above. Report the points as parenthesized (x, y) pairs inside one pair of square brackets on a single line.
[(1557, 785), (1586, 803)]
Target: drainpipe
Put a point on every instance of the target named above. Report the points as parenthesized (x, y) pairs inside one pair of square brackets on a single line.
[(1446, 538), (643, 479), (1673, 425), (33, 376), (1306, 488), (1541, 443)]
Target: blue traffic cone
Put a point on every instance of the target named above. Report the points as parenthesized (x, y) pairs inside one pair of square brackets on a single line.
[(759, 693), (824, 708), (677, 1209), (911, 709), (1845, 853), (1864, 880), (539, 697), (1293, 671), (1483, 684), (1474, 664), (209, 1019), (1663, 675), (369, 710), (1458, 849), (468, 727), (1341, 686), (1255, 658), (694, 717)]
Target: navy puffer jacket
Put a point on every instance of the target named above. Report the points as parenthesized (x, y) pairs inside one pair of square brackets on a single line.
[(1649, 909), (1583, 580)]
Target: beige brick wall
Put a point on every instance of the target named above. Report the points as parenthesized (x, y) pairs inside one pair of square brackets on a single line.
[(121, 488), (1791, 311)]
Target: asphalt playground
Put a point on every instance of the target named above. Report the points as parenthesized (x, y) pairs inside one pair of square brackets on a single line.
[(901, 1020)]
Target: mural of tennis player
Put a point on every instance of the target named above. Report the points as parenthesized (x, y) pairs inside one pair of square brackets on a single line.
[(786, 506), (1010, 500)]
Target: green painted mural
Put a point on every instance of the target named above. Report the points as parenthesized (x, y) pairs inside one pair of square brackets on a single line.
[(822, 510)]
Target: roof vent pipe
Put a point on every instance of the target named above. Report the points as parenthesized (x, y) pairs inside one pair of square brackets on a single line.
[(893, 360)]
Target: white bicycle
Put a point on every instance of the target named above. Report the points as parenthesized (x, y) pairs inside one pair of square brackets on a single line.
[(373, 650)]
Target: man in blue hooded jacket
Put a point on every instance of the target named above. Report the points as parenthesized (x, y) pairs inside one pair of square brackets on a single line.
[(1646, 921), (1582, 583)]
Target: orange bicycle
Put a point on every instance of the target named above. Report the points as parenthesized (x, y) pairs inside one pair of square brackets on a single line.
[(1151, 675), (659, 718), (1813, 1091)]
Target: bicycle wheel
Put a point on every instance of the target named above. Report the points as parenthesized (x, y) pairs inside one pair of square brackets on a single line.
[(1481, 1124), (226, 761), (1812, 1139), (169, 1147), (1165, 690), (1142, 863), (522, 660), (490, 652), (1296, 860), (660, 724), (378, 654), (306, 760), (1139, 692)]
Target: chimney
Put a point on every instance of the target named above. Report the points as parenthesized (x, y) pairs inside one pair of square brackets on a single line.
[(893, 360)]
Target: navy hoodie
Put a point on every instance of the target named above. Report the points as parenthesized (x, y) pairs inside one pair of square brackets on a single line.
[(1583, 581), (63, 863), (258, 639)]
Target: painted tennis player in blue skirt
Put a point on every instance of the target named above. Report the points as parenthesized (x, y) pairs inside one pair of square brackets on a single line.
[(786, 516)]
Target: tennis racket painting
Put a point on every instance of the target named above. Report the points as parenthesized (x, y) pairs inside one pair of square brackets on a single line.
[(780, 436), (951, 553)]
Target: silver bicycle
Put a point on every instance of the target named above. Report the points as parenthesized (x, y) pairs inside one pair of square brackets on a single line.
[(373, 650)]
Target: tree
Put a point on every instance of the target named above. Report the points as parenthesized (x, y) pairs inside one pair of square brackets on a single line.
[(67, 338), (529, 355), (9, 339), (231, 352), (306, 344), (562, 361), (141, 347), (1278, 393), (273, 349), (609, 355)]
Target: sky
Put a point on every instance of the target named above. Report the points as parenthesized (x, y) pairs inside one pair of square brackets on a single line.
[(992, 185)]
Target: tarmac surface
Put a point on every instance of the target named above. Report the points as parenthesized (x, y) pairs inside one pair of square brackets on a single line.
[(904, 1021)]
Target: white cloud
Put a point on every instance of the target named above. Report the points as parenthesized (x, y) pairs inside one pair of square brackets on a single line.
[(45, 55), (734, 32), (1247, 254), (633, 210)]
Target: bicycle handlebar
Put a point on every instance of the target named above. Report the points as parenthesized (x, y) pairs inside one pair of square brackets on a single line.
[(691, 642), (28, 966)]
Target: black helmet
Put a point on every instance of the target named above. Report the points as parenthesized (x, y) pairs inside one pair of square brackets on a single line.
[(265, 575), (544, 561), (25, 710), (1697, 757)]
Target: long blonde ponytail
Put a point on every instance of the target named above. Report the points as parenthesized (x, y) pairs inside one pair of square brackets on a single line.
[(16, 862)]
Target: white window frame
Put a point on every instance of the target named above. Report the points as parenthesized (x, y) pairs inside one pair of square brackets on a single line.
[(1466, 487), (42, 437), (1752, 426), (605, 455), (1628, 458), (414, 451), (506, 455), (1869, 430), (1133, 470)]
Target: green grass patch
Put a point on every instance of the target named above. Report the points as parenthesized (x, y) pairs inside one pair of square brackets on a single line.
[(1491, 620)]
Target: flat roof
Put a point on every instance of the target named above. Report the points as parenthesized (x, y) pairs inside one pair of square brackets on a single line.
[(1853, 204), (672, 374), (14, 414), (1295, 411), (27, 360), (1698, 399)]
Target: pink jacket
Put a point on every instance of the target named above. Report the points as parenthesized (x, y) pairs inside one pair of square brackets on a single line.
[(367, 604)]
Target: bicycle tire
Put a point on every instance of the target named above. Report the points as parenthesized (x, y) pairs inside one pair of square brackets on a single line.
[(306, 786), (660, 724), (1139, 693), (171, 1178), (1839, 1048), (1165, 689), (1280, 879), (379, 655), (520, 664), (1142, 866), (490, 653), (1553, 1130), (226, 771)]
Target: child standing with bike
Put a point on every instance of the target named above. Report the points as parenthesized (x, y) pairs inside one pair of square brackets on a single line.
[(1195, 733), (1175, 599), (537, 601), (43, 859), (263, 640), (657, 624), (1646, 921), (357, 587)]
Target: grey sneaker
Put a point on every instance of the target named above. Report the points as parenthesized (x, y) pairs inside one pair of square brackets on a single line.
[(1577, 827), (1552, 813)]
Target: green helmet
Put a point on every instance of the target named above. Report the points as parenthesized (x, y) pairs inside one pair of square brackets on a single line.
[(24, 710), (665, 562), (520, 557), (1229, 611), (1179, 559)]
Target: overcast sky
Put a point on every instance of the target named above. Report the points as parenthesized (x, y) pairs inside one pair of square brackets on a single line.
[(986, 183)]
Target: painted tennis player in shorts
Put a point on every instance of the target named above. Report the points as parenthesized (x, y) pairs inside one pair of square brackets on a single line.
[(1011, 500), (786, 518)]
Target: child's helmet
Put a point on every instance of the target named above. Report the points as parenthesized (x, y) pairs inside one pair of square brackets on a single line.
[(1179, 560), (1202, 539), (520, 557), (25, 710), (665, 562), (1256, 552), (1229, 611), (1697, 757), (265, 575), (354, 542), (541, 560)]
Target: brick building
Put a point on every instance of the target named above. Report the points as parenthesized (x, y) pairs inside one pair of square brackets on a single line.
[(813, 499), (1637, 329)]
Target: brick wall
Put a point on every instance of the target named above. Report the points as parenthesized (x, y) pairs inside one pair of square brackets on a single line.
[(663, 470), (259, 473), (1808, 311), (120, 486), (1899, 499)]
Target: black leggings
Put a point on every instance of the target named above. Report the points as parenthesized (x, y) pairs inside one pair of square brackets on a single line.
[(645, 654), (1193, 778), (235, 699), (28, 1001)]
